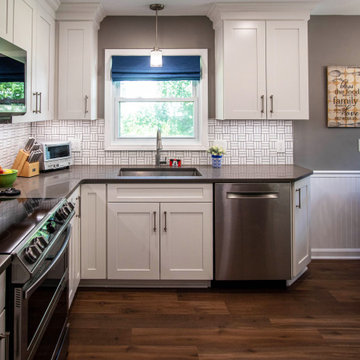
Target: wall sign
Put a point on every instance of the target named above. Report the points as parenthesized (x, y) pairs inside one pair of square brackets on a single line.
[(343, 96)]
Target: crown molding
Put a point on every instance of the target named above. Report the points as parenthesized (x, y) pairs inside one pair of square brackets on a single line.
[(299, 10), (50, 6), (81, 12)]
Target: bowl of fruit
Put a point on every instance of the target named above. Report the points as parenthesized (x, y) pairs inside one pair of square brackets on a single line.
[(7, 177)]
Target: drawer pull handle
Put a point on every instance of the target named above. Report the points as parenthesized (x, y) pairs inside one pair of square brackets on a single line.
[(299, 204), (165, 227), (272, 103), (262, 104), (154, 221)]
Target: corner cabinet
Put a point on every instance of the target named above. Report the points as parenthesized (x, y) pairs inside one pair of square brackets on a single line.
[(158, 231), (93, 231), (34, 31), (74, 248), (77, 85), (301, 226), (261, 62)]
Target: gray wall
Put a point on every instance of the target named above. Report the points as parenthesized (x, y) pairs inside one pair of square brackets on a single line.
[(130, 32), (333, 40)]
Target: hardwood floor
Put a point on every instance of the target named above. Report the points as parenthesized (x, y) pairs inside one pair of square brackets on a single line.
[(317, 318)]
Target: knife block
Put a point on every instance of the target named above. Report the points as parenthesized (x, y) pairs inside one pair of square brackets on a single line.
[(29, 169)]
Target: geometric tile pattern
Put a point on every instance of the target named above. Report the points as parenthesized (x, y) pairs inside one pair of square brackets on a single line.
[(248, 142), (12, 138)]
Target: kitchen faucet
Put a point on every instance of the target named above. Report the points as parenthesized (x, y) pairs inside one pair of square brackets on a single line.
[(159, 147)]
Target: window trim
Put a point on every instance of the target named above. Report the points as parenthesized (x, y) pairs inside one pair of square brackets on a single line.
[(113, 144)]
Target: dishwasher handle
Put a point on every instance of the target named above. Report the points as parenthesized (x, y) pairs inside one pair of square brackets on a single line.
[(252, 195)]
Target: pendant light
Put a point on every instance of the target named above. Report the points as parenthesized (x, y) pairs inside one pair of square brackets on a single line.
[(156, 53)]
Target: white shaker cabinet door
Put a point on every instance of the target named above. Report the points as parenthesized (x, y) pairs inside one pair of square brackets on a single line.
[(6, 19), (93, 231), (186, 241), (74, 248), (2, 331), (287, 70), (244, 70), (44, 65), (301, 217), (77, 70), (24, 37), (133, 241)]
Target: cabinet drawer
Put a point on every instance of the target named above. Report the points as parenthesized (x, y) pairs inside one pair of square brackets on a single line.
[(160, 192), (2, 290)]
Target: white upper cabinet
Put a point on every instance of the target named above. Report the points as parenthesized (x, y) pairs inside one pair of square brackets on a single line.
[(6, 19), (261, 67), (77, 90), (244, 70), (287, 70), (34, 31)]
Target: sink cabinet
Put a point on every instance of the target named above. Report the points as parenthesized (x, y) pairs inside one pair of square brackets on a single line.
[(160, 232)]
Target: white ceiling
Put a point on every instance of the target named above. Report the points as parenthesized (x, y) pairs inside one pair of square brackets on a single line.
[(201, 7)]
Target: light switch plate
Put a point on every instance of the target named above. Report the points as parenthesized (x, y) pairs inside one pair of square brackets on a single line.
[(280, 146), (75, 144)]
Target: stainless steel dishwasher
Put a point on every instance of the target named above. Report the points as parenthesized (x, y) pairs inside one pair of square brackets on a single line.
[(252, 231)]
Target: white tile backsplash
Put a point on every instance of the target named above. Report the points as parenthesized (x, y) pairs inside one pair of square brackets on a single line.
[(12, 138), (248, 142)]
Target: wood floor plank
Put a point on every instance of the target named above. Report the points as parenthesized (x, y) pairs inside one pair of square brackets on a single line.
[(318, 318)]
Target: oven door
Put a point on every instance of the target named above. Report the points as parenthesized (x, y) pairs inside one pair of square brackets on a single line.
[(41, 307)]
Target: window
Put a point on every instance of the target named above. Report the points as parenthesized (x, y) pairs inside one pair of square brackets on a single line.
[(135, 109)]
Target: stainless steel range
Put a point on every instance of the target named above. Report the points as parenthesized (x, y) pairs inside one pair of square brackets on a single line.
[(36, 233)]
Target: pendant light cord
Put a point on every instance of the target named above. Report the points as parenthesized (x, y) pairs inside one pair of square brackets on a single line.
[(156, 30)]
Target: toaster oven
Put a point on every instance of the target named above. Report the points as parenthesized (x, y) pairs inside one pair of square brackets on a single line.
[(56, 155)]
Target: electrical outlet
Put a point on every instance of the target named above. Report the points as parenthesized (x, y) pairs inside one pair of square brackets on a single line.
[(280, 146), (75, 144)]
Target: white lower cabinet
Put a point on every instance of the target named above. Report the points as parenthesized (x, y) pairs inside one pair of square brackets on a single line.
[(74, 247), (160, 240), (300, 230), (186, 241), (2, 333), (93, 231), (133, 241)]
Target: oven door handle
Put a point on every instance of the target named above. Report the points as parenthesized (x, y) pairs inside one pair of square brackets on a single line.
[(33, 287)]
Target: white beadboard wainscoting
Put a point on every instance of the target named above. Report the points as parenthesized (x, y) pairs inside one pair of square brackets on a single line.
[(335, 215)]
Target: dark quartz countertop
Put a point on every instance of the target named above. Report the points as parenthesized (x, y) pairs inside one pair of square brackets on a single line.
[(62, 182)]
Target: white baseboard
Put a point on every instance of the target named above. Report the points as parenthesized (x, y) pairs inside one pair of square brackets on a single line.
[(346, 254)]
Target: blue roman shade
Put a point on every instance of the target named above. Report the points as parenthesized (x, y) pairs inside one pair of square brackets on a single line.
[(11, 70), (137, 68)]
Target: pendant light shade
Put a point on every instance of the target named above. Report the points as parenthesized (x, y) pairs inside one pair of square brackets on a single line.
[(156, 53)]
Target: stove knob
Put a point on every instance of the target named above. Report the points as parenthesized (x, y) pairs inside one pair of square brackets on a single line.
[(40, 242), (66, 210), (59, 215), (50, 228), (31, 254)]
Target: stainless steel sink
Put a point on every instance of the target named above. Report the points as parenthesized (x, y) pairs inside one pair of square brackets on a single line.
[(159, 172)]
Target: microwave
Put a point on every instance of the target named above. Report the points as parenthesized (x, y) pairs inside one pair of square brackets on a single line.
[(56, 155)]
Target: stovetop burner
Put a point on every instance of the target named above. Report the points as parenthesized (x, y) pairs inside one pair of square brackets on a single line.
[(18, 217)]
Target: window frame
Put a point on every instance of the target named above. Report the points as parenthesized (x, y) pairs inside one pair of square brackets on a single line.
[(200, 142)]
